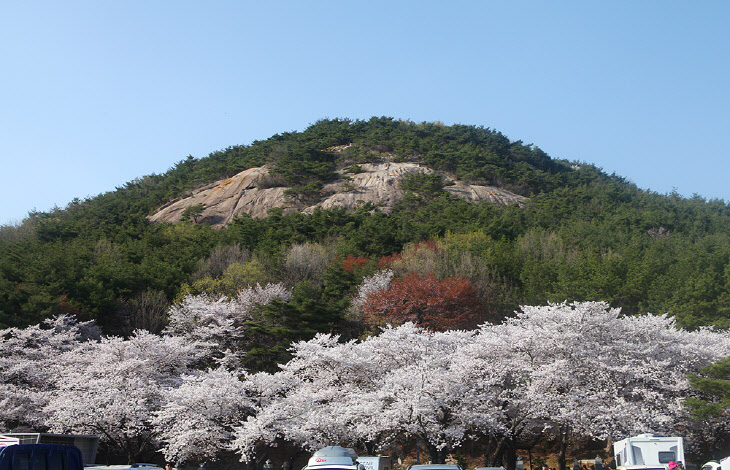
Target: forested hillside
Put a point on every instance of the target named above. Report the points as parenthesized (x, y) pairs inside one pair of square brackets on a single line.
[(582, 236)]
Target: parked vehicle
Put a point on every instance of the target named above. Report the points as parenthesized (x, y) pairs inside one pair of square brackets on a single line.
[(344, 458), (379, 462), (40, 457), (434, 466), (334, 458), (648, 452), (711, 465), (87, 444)]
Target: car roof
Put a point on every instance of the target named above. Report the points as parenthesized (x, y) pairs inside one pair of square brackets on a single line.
[(434, 466)]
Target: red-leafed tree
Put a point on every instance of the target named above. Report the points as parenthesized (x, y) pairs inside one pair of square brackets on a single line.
[(354, 264), (436, 304)]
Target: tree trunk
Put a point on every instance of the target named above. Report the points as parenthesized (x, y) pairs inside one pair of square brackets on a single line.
[(370, 447), (490, 448), (509, 456), (564, 437), (499, 452), (433, 453), (442, 455), (532, 444)]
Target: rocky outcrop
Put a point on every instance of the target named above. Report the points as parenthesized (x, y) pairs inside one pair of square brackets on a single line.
[(249, 192)]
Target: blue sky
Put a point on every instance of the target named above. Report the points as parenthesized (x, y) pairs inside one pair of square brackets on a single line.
[(96, 93)]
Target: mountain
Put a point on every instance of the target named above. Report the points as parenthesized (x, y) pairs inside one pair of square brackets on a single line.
[(325, 209)]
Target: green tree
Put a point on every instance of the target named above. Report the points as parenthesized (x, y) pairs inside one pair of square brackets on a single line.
[(713, 385), (712, 403), (428, 185), (193, 212), (280, 323), (236, 277)]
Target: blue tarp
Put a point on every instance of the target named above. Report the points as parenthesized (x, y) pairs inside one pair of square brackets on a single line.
[(41, 457)]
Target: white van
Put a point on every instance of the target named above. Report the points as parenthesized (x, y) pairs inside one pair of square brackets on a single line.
[(648, 452)]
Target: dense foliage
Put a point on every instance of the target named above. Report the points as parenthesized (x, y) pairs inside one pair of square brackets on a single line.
[(582, 236)]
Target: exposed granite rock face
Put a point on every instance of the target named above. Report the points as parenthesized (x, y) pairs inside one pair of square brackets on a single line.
[(379, 183)]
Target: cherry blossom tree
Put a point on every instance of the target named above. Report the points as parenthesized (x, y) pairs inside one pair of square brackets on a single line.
[(423, 393), (399, 383), (295, 405), (111, 388), (590, 371), (580, 368), (590, 363), (371, 284), (30, 359), (196, 421)]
